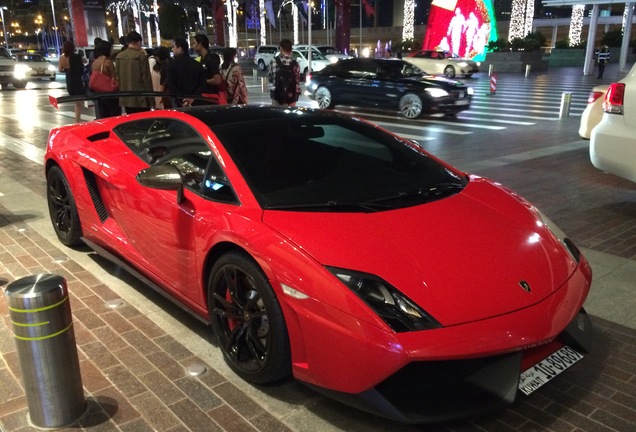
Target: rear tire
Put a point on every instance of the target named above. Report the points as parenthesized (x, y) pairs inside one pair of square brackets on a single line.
[(411, 106), (449, 72), (324, 98), (247, 320), (262, 66), (62, 208)]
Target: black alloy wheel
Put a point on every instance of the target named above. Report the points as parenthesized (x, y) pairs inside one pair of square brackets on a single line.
[(62, 208), (247, 320)]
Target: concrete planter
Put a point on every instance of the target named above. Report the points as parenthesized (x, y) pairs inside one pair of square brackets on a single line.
[(514, 62)]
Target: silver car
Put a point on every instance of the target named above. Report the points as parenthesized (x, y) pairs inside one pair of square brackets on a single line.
[(30, 67)]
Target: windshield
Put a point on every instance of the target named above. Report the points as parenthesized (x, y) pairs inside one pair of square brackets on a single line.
[(333, 164), (315, 54), (30, 58)]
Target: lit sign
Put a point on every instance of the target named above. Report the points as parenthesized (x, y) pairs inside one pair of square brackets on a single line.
[(461, 27)]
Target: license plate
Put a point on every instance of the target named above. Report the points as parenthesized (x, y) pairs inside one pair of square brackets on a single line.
[(461, 102), (547, 369)]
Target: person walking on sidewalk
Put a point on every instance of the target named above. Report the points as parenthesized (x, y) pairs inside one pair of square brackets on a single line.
[(284, 77), (72, 65), (602, 57)]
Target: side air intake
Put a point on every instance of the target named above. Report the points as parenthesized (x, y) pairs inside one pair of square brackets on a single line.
[(91, 183)]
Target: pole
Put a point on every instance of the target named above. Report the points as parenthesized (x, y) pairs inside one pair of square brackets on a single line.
[(4, 29), (57, 42), (360, 35), (308, 38)]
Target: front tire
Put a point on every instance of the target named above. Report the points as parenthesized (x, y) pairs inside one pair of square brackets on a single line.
[(449, 72), (248, 320), (262, 66), (19, 84), (62, 208), (411, 106), (324, 98)]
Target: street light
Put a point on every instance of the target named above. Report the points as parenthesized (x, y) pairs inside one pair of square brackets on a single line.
[(57, 42), (4, 29)]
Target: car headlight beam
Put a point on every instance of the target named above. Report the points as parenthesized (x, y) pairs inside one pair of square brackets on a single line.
[(437, 92), (396, 309)]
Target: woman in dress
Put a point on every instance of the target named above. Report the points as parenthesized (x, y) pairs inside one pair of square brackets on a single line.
[(72, 65), (233, 77), (103, 63)]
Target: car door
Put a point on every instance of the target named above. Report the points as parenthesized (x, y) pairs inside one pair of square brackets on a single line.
[(360, 83), (160, 228)]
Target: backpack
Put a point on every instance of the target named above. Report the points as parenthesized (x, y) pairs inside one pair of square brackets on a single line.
[(285, 83)]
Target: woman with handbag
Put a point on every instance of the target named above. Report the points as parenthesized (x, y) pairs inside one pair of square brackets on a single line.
[(73, 66), (104, 80)]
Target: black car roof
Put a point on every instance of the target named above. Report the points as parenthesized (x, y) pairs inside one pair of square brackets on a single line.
[(223, 114)]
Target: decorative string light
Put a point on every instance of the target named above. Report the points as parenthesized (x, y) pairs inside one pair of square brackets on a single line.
[(517, 19), (576, 24), (261, 8), (409, 20), (529, 18), (295, 16)]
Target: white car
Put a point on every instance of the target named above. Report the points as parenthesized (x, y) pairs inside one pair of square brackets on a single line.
[(318, 61), (7, 67), (613, 141), (593, 112), (30, 67), (264, 56), (440, 62), (332, 54)]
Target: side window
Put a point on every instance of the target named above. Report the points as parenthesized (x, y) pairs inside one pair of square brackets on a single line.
[(216, 185), (168, 141)]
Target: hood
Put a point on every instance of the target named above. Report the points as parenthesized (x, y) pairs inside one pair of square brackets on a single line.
[(462, 258)]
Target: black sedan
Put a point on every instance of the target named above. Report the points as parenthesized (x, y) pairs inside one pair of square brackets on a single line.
[(387, 84)]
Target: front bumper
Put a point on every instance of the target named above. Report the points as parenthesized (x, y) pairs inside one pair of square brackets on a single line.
[(426, 392)]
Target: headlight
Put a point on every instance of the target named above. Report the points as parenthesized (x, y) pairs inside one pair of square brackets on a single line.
[(436, 92), (20, 71), (397, 310), (470, 91), (333, 59), (560, 236), (51, 68)]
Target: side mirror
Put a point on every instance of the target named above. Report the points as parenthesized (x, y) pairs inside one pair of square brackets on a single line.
[(165, 177)]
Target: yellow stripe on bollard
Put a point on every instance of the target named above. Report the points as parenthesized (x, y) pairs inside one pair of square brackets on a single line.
[(39, 309), (30, 325), (39, 338)]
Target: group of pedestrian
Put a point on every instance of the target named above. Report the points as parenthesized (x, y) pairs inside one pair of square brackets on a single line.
[(184, 80)]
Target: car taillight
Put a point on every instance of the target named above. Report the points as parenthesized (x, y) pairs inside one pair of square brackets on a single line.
[(613, 103), (593, 96)]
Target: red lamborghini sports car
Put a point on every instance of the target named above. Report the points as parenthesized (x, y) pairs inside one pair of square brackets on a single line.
[(323, 247)]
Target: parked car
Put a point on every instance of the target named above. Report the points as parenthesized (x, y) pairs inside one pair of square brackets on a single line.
[(7, 67), (387, 84), (264, 55), (32, 67), (329, 52), (441, 62), (613, 140), (323, 247), (318, 61), (593, 111)]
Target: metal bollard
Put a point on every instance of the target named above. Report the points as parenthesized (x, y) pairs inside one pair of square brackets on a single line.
[(566, 99), (40, 312), (264, 83), (528, 67), (255, 76), (491, 69)]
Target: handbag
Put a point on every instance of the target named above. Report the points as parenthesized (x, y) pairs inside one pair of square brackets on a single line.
[(102, 83)]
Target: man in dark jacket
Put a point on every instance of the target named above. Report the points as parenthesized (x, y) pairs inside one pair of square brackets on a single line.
[(185, 75), (211, 64)]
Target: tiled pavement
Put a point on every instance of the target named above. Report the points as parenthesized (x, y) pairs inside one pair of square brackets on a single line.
[(134, 359)]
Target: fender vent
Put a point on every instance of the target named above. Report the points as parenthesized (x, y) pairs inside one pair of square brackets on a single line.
[(98, 136), (91, 184)]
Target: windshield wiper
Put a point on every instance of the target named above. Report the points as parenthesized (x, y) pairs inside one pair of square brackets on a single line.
[(331, 206), (434, 192)]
